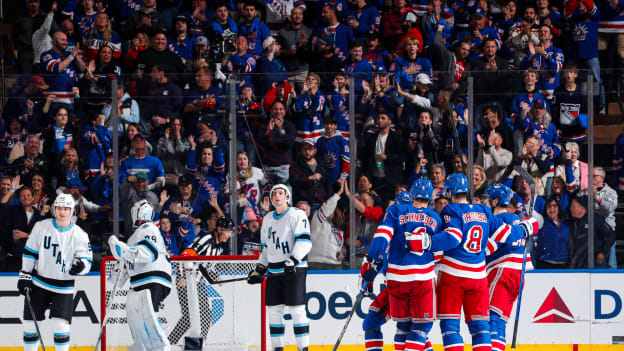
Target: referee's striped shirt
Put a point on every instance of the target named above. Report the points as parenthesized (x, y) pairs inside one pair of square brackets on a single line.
[(206, 245)]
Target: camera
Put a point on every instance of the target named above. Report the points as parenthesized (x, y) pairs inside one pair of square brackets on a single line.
[(223, 46)]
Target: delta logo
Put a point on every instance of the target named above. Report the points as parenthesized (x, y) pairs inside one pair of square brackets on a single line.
[(553, 310)]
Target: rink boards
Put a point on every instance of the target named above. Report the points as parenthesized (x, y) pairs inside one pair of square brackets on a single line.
[(560, 311)]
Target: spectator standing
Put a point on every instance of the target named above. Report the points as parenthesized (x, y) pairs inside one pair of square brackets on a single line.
[(254, 29), (164, 100), (296, 50), (407, 67), (141, 162), (157, 54), (310, 179), (477, 32), (223, 25), (275, 144), (341, 34), (21, 36), (136, 188), (491, 77), (147, 20), (524, 32), (383, 157), (333, 151), (603, 236), (309, 110), (569, 106), (327, 237), (492, 122), (208, 168), (204, 97), (182, 43), (605, 203), (241, 62), (84, 18), (551, 243), (580, 169), (546, 59), (101, 35), (172, 148), (269, 69), (493, 157), (362, 17), (95, 144), (20, 220), (326, 62), (361, 70), (96, 83)]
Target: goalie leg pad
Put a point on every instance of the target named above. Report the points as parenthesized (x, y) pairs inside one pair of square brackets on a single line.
[(417, 336), (276, 325), (497, 331), (143, 321), (301, 325), (480, 331), (400, 337), (450, 335), (31, 338), (61, 334)]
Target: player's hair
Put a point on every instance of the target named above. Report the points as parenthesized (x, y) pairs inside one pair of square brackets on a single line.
[(421, 201), (460, 196)]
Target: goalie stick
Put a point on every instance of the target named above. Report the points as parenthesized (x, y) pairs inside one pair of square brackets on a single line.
[(204, 271), (34, 318), (527, 177), (108, 304), (357, 302)]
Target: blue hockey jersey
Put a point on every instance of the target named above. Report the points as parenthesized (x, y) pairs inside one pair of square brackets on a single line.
[(255, 33), (60, 82), (333, 152), (506, 255), (467, 229), (343, 36), (309, 112), (405, 265), (400, 64)]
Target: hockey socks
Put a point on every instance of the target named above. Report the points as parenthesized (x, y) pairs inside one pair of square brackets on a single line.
[(497, 331), (480, 331), (276, 325), (417, 336), (301, 326), (400, 337), (31, 338), (373, 338), (450, 335), (61, 334)]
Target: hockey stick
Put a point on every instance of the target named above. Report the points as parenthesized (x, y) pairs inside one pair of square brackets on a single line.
[(211, 280), (357, 302), (108, 304), (459, 151), (527, 177), (34, 318)]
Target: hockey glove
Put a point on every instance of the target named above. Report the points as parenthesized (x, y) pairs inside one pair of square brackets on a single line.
[(417, 241), (24, 282), (290, 265), (370, 268), (257, 275), (530, 226), (120, 250), (77, 267)]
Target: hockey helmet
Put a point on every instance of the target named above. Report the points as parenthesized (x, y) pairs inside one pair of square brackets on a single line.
[(283, 187), (422, 189), (64, 200), (225, 223), (142, 211), (501, 192), (457, 183), (403, 198)]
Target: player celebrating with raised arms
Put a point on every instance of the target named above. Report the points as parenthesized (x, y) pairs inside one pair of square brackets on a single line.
[(410, 273), (463, 280), (149, 267), (285, 237), (504, 267), (56, 251)]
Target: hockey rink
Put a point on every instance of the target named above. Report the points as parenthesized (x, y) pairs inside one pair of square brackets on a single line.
[(573, 311)]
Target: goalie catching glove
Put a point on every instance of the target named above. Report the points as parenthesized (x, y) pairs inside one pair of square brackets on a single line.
[(257, 275), (24, 282), (121, 251), (530, 226), (370, 268), (418, 240)]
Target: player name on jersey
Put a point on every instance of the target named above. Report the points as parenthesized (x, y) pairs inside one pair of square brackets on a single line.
[(474, 217), (418, 217)]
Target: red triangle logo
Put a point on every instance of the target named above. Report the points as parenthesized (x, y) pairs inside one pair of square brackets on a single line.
[(553, 310)]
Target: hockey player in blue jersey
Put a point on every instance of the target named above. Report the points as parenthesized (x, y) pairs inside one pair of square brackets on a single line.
[(503, 266), (410, 272), (462, 280)]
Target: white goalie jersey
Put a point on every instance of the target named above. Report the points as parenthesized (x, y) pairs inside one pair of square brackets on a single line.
[(50, 252), (151, 263), (283, 236)]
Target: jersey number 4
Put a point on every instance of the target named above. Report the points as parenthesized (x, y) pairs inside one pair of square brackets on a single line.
[(475, 238)]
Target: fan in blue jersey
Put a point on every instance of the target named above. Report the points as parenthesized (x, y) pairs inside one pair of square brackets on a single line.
[(504, 267), (142, 162), (405, 234), (333, 150)]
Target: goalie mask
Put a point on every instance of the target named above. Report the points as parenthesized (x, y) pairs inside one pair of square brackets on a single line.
[(286, 190), (142, 211)]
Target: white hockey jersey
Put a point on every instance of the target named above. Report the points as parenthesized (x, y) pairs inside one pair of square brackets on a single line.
[(50, 252), (152, 263), (283, 236)]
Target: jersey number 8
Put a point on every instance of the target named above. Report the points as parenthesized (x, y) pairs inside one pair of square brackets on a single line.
[(475, 237)]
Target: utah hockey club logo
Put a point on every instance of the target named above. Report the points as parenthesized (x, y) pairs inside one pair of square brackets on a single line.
[(553, 310)]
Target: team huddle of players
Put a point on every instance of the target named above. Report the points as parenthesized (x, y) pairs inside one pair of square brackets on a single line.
[(477, 252)]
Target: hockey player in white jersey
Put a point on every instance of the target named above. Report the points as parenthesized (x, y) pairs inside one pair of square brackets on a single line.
[(56, 251), (149, 267), (285, 237)]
